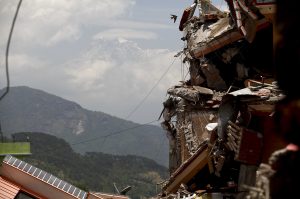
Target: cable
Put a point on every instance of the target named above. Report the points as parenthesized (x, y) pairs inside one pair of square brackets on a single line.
[(133, 110), (6, 63), (7, 50), (130, 114), (6, 58), (151, 90), (104, 136), (113, 133), (149, 93)]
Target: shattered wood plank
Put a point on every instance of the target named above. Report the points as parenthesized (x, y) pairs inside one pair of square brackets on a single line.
[(188, 169), (220, 41), (216, 44)]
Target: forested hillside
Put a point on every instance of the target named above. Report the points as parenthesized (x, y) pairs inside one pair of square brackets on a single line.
[(94, 171)]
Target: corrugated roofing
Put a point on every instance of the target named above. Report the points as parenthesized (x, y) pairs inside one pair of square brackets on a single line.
[(7, 190), (41, 181)]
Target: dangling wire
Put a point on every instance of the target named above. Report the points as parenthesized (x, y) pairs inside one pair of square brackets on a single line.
[(7, 50), (6, 60)]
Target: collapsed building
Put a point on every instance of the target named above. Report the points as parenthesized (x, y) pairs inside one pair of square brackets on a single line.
[(219, 121)]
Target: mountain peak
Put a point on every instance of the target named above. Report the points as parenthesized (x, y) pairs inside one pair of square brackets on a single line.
[(122, 40)]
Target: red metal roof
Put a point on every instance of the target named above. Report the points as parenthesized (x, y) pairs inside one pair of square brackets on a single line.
[(8, 190), (38, 181)]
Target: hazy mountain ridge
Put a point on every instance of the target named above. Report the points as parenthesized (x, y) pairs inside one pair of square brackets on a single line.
[(30, 110)]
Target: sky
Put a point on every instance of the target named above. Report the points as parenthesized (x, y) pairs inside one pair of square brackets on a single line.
[(113, 56)]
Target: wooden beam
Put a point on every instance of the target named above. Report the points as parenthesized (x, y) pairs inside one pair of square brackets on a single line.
[(187, 171)]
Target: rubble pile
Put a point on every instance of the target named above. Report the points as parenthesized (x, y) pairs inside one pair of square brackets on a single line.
[(218, 121)]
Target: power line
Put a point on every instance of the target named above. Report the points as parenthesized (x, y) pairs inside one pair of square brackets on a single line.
[(148, 94), (6, 63), (103, 136), (143, 100), (6, 58), (7, 50), (130, 114), (151, 90), (89, 140), (113, 133), (95, 138)]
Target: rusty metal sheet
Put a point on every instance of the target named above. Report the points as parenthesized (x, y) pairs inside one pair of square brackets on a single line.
[(7, 189)]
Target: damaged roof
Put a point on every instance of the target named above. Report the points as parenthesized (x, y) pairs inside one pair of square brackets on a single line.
[(216, 121)]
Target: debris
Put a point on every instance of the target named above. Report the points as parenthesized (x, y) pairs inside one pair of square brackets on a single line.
[(215, 120), (211, 126)]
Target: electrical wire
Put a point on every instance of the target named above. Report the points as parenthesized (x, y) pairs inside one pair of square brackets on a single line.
[(100, 137), (130, 114), (151, 90), (95, 138), (103, 136), (139, 104), (147, 95), (7, 50), (6, 63), (112, 133)]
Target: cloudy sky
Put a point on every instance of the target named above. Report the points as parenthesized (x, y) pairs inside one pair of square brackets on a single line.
[(114, 56)]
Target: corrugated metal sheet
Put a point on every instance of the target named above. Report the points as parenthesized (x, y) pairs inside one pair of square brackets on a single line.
[(7, 190), (38, 181)]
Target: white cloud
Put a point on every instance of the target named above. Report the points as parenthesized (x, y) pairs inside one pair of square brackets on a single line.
[(88, 74), (122, 23), (58, 20), (67, 33), (113, 76), (109, 81), (22, 62), (25, 70), (125, 33)]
